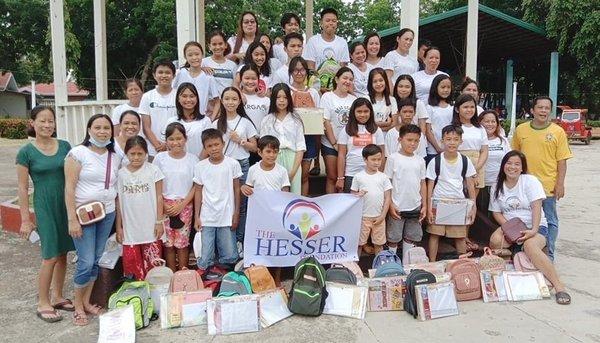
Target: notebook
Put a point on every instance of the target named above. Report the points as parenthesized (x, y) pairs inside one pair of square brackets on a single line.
[(436, 300), (346, 300)]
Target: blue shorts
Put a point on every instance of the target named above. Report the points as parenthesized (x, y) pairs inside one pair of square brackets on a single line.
[(311, 147), (327, 151)]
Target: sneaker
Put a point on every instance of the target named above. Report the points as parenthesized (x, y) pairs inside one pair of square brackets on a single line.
[(240, 248)]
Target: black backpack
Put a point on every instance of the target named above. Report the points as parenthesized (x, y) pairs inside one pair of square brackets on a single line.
[(340, 274), (416, 277), (463, 173), (308, 292)]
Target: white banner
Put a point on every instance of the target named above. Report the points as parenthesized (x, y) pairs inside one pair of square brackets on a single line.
[(282, 228)]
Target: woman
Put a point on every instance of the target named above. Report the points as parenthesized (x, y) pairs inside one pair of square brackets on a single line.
[(129, 126), (424, 78), (519, 195), (372, 42), (399, 61), (90, 175), (133, 91), (247, 31), (43, 160), (470, 86)]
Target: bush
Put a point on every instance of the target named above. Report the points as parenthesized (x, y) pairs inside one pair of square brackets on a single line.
[(593, 123), (13, 128)]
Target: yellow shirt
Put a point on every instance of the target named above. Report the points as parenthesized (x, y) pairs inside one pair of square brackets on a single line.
[(543, 149)]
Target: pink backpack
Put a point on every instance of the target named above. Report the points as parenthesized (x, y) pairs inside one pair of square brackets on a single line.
[(185, 280), (465, 274), (416, 255), (523, 263)]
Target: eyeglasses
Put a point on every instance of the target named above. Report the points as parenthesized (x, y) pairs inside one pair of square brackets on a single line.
[(249, 22), (299, 71)]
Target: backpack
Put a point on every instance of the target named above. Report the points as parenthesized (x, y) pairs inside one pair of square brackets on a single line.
[(383, 257), (354, 268), (416, 255), (326, 72), (136, 293), (185, 280), (416, 277), (463, 173), (235, 283), (303, 99), (340, 274), (260, 278), (389, 269), (465, 274), (308, 292)]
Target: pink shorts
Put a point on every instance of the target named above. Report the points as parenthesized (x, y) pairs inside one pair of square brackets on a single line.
[(179, 238)]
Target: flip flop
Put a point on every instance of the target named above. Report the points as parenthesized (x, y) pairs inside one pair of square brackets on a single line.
[(98, 310), (62, 305), (80, 319), (563, 298), (40, 314)]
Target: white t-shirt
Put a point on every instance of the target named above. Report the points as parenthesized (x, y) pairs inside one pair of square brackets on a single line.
[(406, 173), (318, 50), (279, 53), (122, 155), (375, 185), (439, 117), (267, 80), (218, 199), (355, 144), (245, 129), (206, 85), (361, 79), (497, 148), (179, 174), (281, 75), (421, 112), (274, 64), (516, 202), (473, 138), (90, 184), (243, 47), (400, 64), (392, 145), (450, 181), (379, 64), (383, 111), (137, 201), (336, 111), (270, 180), (193, 130), (423, 84), (160, 108), (256, 108), (223, 72), (117, 111), (289, 131)]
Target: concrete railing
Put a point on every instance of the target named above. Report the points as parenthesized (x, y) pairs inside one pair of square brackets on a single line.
[(72, 117)]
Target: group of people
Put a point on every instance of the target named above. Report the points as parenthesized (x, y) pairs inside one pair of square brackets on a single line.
[(190, 151)]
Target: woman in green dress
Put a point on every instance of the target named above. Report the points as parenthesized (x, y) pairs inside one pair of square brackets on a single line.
[(43, 160)]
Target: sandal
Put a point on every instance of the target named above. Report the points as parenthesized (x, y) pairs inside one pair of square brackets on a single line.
[(43, 315), (96, 310), (65, 305), (563, 298), (80, 319)]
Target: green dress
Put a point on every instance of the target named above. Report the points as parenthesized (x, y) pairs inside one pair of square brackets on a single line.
[(47, 173)]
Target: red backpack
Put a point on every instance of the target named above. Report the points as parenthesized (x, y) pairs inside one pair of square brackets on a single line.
[(465, 274), (185, 280), (303, 99)]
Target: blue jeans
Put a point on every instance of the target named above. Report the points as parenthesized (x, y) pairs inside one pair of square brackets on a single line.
[(89, 248), (549, 207), (225, 240), (239, 233)]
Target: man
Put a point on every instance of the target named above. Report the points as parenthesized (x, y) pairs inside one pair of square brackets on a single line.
[(327, 44)]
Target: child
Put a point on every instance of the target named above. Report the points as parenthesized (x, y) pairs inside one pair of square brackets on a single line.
[(449, 185), (406, 169), (139, 211), (274, 63), (406, 117), (178, 192), (216, 202), (379, 93), (360, 68), (257, 55), (157, 106), (375, 188), (208, 93), (405, 89), (256, 104), (217, 65), (359, 132), (290, 23), (284, 124), (440, 113), (293, 43)]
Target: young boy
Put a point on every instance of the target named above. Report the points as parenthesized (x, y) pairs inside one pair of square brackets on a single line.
[(409, 193), (450, 183), (216, 201), (406, 110), (293, 44), (290, 23), (157, 106), (375, 188), (267, 174)]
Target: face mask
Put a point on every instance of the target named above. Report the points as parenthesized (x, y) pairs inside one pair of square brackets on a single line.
[(99, 144)]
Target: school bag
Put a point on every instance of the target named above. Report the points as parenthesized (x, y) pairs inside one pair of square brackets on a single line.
[(326, 72), (416, 277), (416, 255), (136, 293), (303, 99), (384, 257), (185, 280), (389, 269), (260, 278), (308, 292), (354, 268), (235, 283), (340, 274), (463, 173), (465, 274)]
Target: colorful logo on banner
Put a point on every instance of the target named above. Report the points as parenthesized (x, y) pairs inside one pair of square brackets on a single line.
[(303, 219)]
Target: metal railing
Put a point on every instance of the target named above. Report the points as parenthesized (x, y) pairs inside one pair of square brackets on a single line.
[(72, 117)]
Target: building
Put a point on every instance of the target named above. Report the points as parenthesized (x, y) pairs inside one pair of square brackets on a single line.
[(13, 102)]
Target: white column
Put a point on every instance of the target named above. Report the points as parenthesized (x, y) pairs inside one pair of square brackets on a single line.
[(471, 39), (59, 55), (33, 100), (409, 17), (186, 26), (201, 24), (309, 8), (100, 49)]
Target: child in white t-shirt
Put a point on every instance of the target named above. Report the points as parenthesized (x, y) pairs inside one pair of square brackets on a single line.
[(140, 220), (406, 117), (406, 169), (327, 44), (293, 44), (218, 65), (178, 194), (258, 56), (375, 189), (216, 202), (256, 104), (385, 106), (267, 174), (440, 113), (449, 184)]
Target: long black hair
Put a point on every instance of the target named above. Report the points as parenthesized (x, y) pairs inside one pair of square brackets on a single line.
[(222, 120), (366, 43), (502, 174), (386, 90), (265, 69), (463, 99), (352, 126), (182, 87), (86, 141), (273, 100), (434, 96)]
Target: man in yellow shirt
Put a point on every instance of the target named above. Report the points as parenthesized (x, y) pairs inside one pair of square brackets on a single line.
[(547, 150)]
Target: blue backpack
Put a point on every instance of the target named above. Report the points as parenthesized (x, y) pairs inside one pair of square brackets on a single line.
[(386, 263), (384, 257)]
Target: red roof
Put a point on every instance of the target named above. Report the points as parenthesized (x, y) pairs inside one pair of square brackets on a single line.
[(47, 89)]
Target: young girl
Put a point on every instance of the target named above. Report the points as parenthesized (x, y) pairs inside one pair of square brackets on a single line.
[(471, 86), (246, 33), (307, 97), (256, 106), (257, 55), (405, 89), (140, 210), (129, 125), (206, 85), (384, 105), (189, 115), (178, 194), (360, 68), (274, 63), (440, 113), (133, 91), (372, 43), (360, 131), (286, 126), (221, 68), (336, 105), (399, 61)]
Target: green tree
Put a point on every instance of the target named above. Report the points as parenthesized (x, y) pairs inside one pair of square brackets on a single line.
[(380, 14)]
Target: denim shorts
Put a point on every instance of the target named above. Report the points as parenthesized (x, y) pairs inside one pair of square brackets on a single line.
[(327, 151), (311, 147)]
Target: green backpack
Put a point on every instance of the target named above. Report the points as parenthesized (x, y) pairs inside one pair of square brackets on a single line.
[(308, 293), (235, 283), (136, 293), (326, 73)]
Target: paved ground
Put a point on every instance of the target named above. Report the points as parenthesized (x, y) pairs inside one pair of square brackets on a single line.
[(578, 262)]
